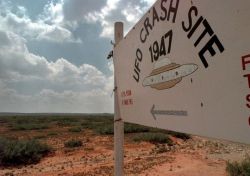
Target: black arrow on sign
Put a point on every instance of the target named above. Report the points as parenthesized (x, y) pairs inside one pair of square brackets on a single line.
[(167, 112)]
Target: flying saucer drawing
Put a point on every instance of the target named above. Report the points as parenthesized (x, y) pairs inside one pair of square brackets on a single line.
[(166, 75)]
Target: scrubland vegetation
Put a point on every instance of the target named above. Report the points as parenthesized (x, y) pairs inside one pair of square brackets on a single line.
[(239, 168), (19, 152), (73, 143), (30, 139), (22, 150)]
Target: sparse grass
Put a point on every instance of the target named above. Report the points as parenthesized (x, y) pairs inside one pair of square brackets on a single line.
[(179, 135), (239, 168), (134, 128), (107, 129), (100, 123), (96, 122), (105, 126), (28, 126), (161, 148), (73, 143), (21, 152), (75, 129), (52, 134), (39, 137), (36, 121), (153, 138), (68, 121)]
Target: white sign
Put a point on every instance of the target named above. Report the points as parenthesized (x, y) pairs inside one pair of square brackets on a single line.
[(185, 66)]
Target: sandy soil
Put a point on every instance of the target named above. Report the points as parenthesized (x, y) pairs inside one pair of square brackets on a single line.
[(195, 157)]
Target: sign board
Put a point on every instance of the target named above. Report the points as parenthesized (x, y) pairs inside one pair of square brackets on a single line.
[(185, 66)]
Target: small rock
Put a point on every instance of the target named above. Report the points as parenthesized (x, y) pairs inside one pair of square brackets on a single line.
[(138, 158), (200, 145), (240, 150)]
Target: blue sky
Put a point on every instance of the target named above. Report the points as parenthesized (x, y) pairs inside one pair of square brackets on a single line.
[(53, 53)]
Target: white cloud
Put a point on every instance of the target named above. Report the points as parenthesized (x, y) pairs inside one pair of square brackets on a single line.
[(128, 11), (57, 19), (32, 83), (52, 101), (16, 61), (64, 87), (49, 26), (53, 13), (150, 2), (132, 13), (75, 10), (57, 34)]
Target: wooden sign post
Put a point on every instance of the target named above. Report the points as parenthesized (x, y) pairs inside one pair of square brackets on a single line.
[(118, 123)]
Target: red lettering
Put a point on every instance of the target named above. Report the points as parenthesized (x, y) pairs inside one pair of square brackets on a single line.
[(128, 93), (130, 101), (123, 94), (127, 102), (245, 61), (248, 76), (248, 100)]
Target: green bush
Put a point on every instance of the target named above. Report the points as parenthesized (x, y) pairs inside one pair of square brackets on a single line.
[(96, 125), (134, 128), (39, 137), (100, 125), (28, 126), (20, 152), (52, 134), (68, 121), (239, 168), (179, 135), (3, 143), (73, 143), (153, 138), (75, 129), (107, 129), (88, 124)]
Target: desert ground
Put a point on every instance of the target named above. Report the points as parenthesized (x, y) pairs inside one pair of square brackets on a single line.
[(184, 156)]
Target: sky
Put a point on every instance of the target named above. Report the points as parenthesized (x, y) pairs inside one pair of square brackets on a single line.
[(53, 53)]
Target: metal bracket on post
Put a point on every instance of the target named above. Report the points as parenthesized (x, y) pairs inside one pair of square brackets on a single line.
[(118, 123)]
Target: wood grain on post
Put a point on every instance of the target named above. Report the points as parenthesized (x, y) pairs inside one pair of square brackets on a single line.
[(118, 123)]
